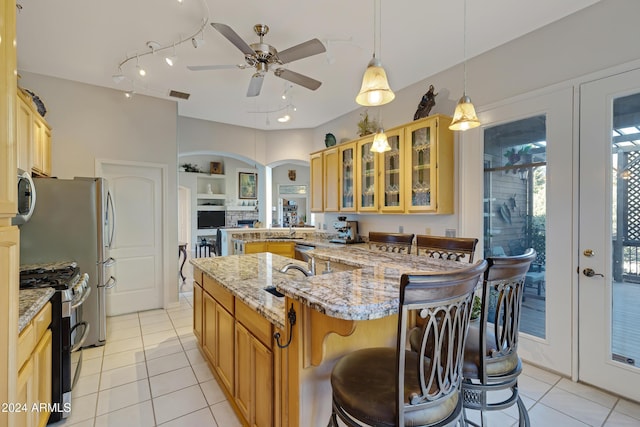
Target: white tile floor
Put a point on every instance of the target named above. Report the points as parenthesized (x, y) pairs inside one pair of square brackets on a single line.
[(150, 373)]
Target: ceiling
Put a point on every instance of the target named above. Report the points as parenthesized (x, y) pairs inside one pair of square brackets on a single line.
[(86, 40)]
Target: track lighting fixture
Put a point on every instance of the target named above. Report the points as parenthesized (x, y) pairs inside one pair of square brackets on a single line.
[(171, 60), (129, 94), (118, 77)]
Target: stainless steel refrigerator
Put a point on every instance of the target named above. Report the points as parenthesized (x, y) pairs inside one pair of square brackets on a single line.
[(74, 219)]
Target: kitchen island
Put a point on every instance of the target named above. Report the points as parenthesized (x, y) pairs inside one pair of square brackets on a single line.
[(319, 319)]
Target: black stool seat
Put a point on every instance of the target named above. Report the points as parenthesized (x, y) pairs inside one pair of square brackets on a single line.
[(365, 382)]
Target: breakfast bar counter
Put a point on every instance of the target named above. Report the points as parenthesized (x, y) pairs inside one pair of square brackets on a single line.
[(272, 354)]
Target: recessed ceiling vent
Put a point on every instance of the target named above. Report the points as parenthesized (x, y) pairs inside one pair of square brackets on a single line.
[(179, 95)]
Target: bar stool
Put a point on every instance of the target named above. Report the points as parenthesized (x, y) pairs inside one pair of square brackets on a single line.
[(400, 387), (453, 248), (391, 242)]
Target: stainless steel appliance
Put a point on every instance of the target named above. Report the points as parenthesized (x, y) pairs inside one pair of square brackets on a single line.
[(347, 231), (26, 198), (74, 220), (68, 329)]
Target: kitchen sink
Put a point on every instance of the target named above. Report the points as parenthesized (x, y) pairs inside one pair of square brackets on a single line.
[(284, 238), (273, 291)]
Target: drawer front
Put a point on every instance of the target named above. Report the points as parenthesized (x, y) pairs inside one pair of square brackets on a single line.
[(26, 343), (42, 321), (259, 327), (197, 275), (223, 296)]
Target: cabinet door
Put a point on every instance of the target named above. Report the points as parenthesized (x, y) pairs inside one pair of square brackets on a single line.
[(429, 159), (392, 173), (347, 177), (225, 325), (197, 311), (331, 172), (42, 372), (263, 387), (281, 248), (24, 134), (367, 176), (317, 186), (36, 149), (244, 374), (8, 87), (45, 143), (21, 413), (209, 327), (255, 247)]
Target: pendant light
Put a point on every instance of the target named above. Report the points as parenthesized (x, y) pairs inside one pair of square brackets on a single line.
[(380, 141), (375, 88), (464, 117)]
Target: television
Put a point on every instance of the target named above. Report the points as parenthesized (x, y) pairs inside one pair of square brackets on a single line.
[(211, 219)]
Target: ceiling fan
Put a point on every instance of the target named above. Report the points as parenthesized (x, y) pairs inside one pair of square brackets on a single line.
[(261, 56)]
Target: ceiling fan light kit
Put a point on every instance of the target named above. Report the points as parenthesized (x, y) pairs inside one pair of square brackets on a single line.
[(261, 56)]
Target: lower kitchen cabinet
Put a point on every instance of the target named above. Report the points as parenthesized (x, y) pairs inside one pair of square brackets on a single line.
[(279, 248), (197, 311), (237, 342), (34, 375)]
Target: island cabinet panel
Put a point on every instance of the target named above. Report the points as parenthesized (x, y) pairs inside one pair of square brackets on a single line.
[(279, 248), (255, 247), (220, 294), (209, 327), (225, 334), (254, 378), (197, 311)]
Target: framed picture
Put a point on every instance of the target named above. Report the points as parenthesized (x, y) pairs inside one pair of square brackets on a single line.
[(216, 168), (247, 185)]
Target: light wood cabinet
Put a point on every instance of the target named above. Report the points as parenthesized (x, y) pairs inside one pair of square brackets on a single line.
[(331, 173), (33, 138), (237, 342), (34, 375), (415, 176), (197, 305), (347, 185), (317, 192), (279, 248)]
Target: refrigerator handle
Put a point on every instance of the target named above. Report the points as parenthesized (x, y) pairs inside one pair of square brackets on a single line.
[(110, 283), (109, 262), (111, 209)]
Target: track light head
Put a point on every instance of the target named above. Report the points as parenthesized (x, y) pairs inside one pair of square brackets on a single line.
[(197, 42), (117, 78)]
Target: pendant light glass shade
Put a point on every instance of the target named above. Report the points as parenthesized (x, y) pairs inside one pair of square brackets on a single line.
[(375, 88), (464, 116), (380, 142)]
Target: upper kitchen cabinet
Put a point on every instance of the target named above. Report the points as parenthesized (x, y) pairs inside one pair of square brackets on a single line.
[(34, 138), (8, 174), (317, 185), (347, 187), (414, 176), (429, 171)]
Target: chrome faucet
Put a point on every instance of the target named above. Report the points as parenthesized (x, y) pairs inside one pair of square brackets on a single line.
[(292, 232), (307, 272)]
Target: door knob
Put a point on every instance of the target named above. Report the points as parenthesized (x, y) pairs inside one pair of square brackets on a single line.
[(590, 273)]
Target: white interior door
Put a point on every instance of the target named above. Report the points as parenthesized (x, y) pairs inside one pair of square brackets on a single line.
[(137, 190), (609, 285), (497, 217)]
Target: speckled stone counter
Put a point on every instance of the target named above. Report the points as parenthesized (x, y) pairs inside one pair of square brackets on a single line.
[(368, 291), (246, 276), (31, 301)]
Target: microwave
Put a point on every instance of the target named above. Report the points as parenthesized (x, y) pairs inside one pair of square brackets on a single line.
[(26, 198)]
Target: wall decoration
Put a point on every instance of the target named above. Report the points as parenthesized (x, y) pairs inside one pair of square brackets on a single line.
[(292, 174), (216, 168), (247, 185), (427, 102)]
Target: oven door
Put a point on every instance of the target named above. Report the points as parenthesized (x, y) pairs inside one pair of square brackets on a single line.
[(26, 198)]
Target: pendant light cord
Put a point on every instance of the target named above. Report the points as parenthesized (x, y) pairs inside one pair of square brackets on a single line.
[(464, 46)]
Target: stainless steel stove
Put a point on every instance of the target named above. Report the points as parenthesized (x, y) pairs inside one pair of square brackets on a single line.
[(68, 329)]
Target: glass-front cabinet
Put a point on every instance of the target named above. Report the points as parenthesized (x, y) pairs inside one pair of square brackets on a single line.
[(347, 177), (391, 176), (429, 153), (367, 179)]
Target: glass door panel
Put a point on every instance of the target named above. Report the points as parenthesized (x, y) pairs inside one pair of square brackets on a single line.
[(391, 172), (347, 178), (421, 162), (367, 176)]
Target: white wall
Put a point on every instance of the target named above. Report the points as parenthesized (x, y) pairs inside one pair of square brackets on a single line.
[(90, 122)]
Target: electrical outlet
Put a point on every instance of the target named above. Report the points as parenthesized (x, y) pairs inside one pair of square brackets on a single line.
[(401, 229), (427, 230), (450, 232)]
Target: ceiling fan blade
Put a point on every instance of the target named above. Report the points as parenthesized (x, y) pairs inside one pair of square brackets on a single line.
[(297, 78), (233, 37), (303, 50), (255, 84), (215, 67)]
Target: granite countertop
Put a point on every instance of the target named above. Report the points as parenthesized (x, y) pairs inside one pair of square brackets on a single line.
[(368, 291), (31, 301), (246, 276)]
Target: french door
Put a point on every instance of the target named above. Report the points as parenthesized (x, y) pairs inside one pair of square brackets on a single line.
[(609, 234)]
